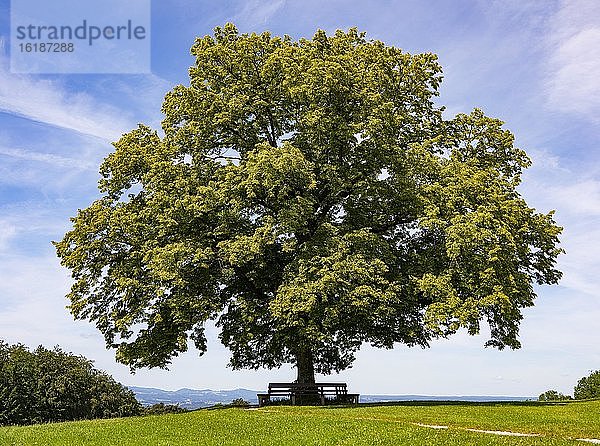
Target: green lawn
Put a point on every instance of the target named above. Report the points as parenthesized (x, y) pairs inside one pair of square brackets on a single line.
[(364, 425)]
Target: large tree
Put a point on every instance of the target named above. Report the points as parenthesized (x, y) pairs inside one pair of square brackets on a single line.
[(309, 197)]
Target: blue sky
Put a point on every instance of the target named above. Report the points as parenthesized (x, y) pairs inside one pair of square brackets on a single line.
[(534, 64)]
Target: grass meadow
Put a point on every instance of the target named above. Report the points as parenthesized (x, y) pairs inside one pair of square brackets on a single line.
[(555, 424)]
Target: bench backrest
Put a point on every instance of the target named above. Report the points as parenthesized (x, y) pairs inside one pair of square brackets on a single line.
[(292, 385), (337, 388)]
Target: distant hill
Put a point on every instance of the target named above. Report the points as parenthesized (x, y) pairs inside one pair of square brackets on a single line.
[(195, 399), (190, 398)]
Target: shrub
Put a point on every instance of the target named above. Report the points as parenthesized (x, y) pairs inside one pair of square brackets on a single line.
[(50, 385), (239, 402), (162, 408), (588, 387), (553, 395)]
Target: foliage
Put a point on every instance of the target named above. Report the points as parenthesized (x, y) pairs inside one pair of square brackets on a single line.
[(162, 408), (588, 387), (50, 385), (217, 406), (239, 402), (385, 425), (553, 395), (309, 197)]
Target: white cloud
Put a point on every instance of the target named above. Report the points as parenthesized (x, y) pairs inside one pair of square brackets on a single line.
[(575, 195), (544, 159), (578, 198), (7, 231), (30, 225), (580, 263), (573, 84), (44, 177), (256, 12), (573, 16), (33, 309), (145, 96), (48, 102), (47, 158)]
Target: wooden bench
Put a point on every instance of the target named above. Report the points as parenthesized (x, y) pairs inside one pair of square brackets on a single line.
[(301, 393)]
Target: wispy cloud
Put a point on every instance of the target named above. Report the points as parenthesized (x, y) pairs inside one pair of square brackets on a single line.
[(576, 198), (144, 96), (579, 198), (48, 165), (27, 221), (49, 102), (32, 308), (256, 12), (7, 231), (573, 84), (47, 158)]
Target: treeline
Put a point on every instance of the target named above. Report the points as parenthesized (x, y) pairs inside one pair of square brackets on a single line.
[(44, 385), (587, 388)]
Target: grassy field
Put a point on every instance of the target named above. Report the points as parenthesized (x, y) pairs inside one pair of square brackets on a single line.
[(363, 425)]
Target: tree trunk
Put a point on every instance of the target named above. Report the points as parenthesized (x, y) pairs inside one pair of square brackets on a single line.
[(306, 367)]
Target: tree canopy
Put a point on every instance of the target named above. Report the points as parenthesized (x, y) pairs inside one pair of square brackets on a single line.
[(309, 197), (588, 387), (553, 395)]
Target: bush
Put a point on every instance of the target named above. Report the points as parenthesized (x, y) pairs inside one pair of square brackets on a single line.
[(239, 402), (50, 385), (553, 395), (162, 408), (588, 387)]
